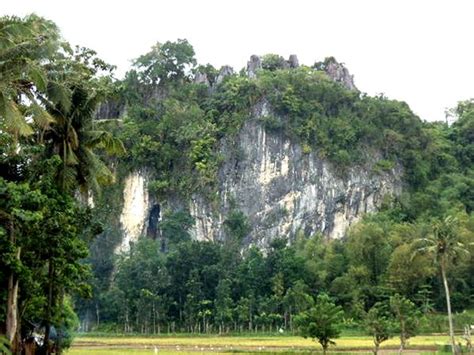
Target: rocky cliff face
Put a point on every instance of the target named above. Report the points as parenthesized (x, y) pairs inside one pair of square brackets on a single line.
[(136, 208), (279, 187)]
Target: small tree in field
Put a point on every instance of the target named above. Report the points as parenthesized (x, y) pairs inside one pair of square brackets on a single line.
[(322, 322), (407, 317), (379, 325)]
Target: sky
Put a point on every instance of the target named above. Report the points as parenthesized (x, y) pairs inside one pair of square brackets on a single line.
[(418, 51)]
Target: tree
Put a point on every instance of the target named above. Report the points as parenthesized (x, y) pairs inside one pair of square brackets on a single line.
[(445, 245), (297, 299), (322, 322), (28, 47), (74, 135), (45, 91), (368, 250), (378, 324), (223, 304), (407, 315), (20, 213), (165, 63)]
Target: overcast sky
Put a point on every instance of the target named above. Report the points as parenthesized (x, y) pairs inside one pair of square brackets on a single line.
[(418, 51)]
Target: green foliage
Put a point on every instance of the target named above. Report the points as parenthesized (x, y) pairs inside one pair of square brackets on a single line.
[(26, 45), (273, 62), (4, 345), (379, 324), (210, 72), (237, 225), (322, 322), (165, 62), (175, 227), (48, 95), (407, 316)]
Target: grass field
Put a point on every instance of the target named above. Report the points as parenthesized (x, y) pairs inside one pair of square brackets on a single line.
[(83, 345)]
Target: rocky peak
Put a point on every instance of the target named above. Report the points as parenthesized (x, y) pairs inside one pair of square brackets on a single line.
[(225, 71), (201, 78), (293, 61), (337, 72), (253, 65)]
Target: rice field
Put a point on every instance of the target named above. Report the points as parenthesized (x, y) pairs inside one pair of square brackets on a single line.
[(426, 344)]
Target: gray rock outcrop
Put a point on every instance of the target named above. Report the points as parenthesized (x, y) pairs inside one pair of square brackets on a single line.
[(293, 61), (225, 71), (339, 73), (110, 109), (201, 78), (253, 65)]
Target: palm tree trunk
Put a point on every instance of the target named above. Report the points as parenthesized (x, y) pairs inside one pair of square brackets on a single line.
[(448, 304), (49, 307), (12, 299), (12, 309)]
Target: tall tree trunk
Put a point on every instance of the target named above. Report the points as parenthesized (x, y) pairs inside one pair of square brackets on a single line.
[(403, 338), (12, 302), (97, 314), (60, 339), (448, 304), (376, 349), (49, 306), (12, 309)]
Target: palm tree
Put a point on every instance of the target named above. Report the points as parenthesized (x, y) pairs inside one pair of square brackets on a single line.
[(27, 47), (74, 137), (444, 244), (50, 97)]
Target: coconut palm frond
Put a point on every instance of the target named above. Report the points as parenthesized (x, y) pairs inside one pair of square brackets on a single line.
[(107, 141), (59, 95), (38, 76), (67, 177), (11, 118), (41, 117), (72, 136), (70, 157), (94, 173)]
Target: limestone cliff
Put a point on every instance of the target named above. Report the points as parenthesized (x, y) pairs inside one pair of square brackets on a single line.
[(278, 186)]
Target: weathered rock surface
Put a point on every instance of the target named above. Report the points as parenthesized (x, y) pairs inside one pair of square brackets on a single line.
[(110, 109), (293, 61), (225, 71), (135, 210), (253, 65), (339, 73), (280, 188), (201, 78)]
